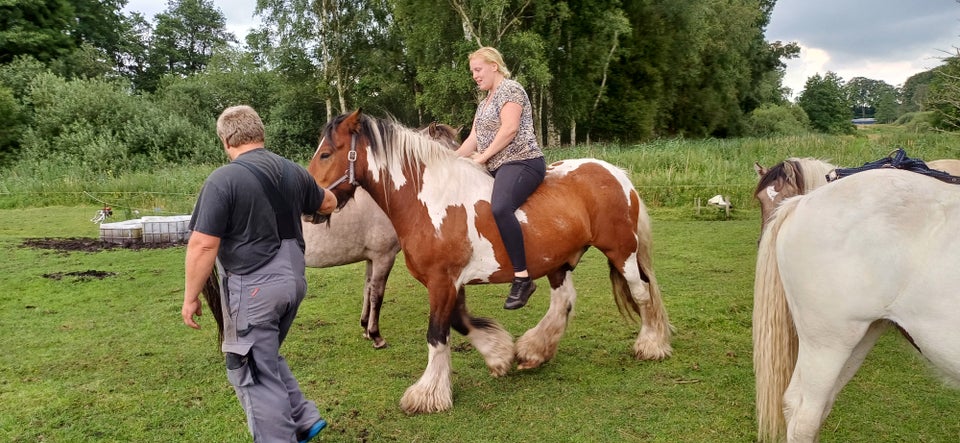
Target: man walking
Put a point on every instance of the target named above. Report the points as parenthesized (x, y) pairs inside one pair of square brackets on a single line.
[(247, 222)]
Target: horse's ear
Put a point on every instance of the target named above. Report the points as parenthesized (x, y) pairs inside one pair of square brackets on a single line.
[(432, 129), (760, 169), (352, 121)]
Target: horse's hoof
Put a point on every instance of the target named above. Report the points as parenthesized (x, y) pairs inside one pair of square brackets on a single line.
[(416, 402), (525, 364), (379, 343), (524, 367)]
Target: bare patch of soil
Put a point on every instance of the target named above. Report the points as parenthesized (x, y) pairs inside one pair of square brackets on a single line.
[(82, 244), (80, 275)]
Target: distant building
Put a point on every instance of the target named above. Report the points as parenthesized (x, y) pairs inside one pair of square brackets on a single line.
[(864, 121)]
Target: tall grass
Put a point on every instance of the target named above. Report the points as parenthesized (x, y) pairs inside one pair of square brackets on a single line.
[(667, 172), (674, 173)]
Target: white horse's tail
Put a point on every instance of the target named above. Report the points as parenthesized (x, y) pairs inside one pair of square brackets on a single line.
[(774, 334)]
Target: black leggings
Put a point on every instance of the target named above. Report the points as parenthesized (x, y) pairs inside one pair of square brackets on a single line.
[(512, 183)]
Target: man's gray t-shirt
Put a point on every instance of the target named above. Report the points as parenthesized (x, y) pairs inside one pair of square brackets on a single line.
[(233, 206)]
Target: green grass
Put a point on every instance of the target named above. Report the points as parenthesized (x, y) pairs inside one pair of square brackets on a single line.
[(671, 173), (110, 360)]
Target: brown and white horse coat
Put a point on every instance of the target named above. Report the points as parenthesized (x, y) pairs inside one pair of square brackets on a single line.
[(439, 205)]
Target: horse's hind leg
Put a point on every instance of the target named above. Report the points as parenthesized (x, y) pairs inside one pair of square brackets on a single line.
[(636, 276), (824, 366), (378, 271), (539, 345), (491, 340), (859, 353)]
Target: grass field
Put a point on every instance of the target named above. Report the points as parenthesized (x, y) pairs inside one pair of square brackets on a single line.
[(109, 360)]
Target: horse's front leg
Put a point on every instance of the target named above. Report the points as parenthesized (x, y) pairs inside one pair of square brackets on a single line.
[(433, 392), (539, 345)]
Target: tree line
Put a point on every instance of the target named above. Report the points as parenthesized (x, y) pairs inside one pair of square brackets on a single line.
[(83, 83)]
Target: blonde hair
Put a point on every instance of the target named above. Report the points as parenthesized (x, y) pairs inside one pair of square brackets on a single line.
[(491, 55), (240, 125)]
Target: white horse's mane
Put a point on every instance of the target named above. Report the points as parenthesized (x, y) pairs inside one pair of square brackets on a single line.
[(395, 147), (814, 172)]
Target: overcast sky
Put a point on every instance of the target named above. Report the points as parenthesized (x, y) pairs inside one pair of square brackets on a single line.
[(239, 13), (887, 40)]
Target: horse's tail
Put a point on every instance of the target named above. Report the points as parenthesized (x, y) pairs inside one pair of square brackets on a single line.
[(654, 340), (211, 292), (774, 334)]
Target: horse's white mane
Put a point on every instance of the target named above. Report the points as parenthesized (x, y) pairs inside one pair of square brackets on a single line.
[(814, 172), (402, 147)]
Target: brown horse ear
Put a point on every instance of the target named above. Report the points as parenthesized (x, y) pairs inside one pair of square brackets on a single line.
[(353, 121), (432, 130), (760, 169), (791, 172)]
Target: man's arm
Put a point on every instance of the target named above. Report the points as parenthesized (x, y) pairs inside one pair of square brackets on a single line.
[(198, 265)]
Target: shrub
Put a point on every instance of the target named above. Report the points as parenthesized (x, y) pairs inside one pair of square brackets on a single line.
[(99, 124), (775, 120)]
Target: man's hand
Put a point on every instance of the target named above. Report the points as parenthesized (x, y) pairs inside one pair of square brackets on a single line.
[(191, 308)]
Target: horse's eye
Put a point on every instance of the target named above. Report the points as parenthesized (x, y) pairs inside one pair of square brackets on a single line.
[(325, 155)]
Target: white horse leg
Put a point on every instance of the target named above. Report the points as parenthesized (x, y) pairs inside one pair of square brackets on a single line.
[(859, 353), (653, 341), (539, 345), (823, 367), (433, 392)]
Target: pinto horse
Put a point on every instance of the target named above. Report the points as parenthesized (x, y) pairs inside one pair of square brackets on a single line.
[(360, 231), (439, 205), (835, 268)]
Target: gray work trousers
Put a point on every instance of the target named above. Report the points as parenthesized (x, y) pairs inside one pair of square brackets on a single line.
[(258, 310)]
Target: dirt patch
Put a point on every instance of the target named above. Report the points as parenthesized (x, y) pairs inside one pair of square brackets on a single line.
[(82, 244), (80, 275)]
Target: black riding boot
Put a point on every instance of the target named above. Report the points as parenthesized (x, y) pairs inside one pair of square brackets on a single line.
[(520, 291)]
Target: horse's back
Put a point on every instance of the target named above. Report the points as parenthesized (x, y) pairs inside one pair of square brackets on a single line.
[(588, 182), (880, 244), (948, 165)]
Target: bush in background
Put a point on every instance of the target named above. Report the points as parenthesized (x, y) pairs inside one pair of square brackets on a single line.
[(775, 120)]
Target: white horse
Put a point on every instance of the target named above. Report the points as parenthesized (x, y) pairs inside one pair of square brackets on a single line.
[(835, 268)]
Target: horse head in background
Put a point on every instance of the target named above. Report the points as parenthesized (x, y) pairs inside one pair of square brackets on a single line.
[(439, 205), (443, 133), (793, 176)]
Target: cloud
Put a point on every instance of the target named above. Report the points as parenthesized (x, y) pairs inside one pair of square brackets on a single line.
[(887, 40)]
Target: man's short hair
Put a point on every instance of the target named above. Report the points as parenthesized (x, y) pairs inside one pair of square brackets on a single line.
[(240, 125)]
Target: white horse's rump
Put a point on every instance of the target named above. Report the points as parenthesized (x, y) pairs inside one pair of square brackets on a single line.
[(840, 264)]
